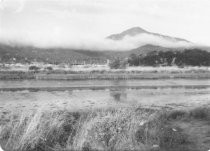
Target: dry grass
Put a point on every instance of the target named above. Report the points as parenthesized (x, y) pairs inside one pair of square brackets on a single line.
[(128, 128)]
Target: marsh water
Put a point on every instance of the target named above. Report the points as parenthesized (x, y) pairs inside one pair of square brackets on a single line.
[(105, 93)]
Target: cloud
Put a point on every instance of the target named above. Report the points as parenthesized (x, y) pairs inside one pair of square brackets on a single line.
[(12, 6), (85, 23), (21, 6), (91, 42)]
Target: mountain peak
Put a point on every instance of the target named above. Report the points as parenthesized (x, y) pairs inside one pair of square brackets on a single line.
[(130, 32), (135, 31)]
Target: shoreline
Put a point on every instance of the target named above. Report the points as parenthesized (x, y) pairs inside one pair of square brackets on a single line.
[(51, 89), (122, 76), (17, 75)]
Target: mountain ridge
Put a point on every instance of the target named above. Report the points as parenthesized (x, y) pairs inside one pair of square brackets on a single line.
[(134, 31)]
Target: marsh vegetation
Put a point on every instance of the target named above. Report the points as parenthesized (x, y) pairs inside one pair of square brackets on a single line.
[(127, 128)]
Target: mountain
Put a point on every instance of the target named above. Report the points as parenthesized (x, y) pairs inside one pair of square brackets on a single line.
[(130, 32), (24, 53), (136, 31)]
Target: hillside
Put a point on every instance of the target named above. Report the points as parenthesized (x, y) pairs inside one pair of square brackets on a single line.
[(149, 48), (22, 53), (187, 57)]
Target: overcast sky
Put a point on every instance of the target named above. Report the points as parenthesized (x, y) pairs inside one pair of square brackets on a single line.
[(46, 22)]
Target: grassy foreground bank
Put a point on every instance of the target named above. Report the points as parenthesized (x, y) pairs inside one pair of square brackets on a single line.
[(126, 128)]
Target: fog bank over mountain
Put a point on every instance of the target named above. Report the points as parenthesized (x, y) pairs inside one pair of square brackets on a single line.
[(131, 39)]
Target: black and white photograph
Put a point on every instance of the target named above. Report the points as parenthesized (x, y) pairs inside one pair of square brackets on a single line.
[(104, 75)]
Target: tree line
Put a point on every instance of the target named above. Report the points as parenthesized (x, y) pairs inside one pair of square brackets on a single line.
[(188, 57)]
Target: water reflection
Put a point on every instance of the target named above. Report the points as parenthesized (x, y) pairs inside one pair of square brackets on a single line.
[(70, 93), (119, 83), (118, 95)]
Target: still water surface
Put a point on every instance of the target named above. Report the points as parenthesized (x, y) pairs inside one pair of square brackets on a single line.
[(105, 93)]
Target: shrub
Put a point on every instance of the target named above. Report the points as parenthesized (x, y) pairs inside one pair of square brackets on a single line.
[(134, 60), (177, 114), (118, 64), (49, 68), (34, 68), (200, 113)]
